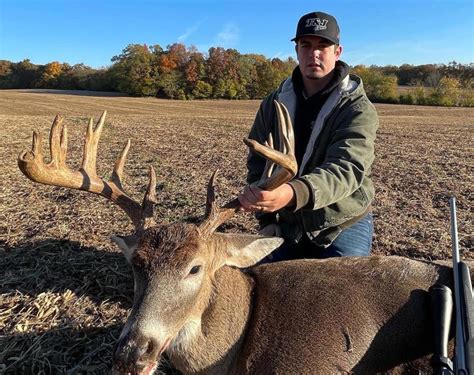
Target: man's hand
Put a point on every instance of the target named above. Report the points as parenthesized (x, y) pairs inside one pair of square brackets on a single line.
[(257, 200)]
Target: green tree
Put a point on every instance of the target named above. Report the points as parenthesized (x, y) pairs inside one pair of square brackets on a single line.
[(135, 71), (447, 92), (24, 74), (171, 85), (202, 90), (267, 78), (379, 88)]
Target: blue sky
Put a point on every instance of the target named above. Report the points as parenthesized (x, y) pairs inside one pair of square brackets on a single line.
[(372, 31)]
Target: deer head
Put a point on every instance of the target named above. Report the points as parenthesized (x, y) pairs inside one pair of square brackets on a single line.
[(173, 265)]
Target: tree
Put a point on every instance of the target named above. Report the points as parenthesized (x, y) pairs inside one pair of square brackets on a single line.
[(194, 72), (50, 74), (447, 93), (378, 86), (202, 90), (135, 71), (171, 85), (24, 74), (5, 74)]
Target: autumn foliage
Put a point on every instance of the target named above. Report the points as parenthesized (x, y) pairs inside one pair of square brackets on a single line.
[(180, 72)]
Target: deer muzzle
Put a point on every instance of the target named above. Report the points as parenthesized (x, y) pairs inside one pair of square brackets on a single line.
[(138, 355)]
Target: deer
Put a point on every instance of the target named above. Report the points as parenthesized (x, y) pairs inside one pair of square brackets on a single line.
[(202, 298)]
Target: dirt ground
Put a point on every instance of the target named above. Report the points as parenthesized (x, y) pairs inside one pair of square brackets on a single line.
[(66, 290)]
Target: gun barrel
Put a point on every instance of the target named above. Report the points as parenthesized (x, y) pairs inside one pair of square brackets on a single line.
[(460, 356)]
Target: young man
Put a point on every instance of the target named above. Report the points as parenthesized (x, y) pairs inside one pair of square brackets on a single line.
[(326, 210)]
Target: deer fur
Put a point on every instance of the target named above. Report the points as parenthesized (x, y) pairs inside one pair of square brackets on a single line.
[(336, 316)]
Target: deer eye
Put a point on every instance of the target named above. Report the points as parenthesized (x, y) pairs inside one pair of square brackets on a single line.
[(195, 270)]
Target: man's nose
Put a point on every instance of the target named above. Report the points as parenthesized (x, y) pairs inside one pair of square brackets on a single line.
[(315, 53)]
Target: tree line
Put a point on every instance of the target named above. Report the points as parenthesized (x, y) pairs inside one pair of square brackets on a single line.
[(180, 72)]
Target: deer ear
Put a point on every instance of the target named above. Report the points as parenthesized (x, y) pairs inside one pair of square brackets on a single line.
[(127, 244), (245, 250)]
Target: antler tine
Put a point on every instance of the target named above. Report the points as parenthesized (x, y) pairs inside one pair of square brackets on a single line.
[(89, 159), (285, 129), (148, 201), (284, 159), (58, 142), (211, 194), (269, 165), (57, 173), (216, 216), (117, 174)]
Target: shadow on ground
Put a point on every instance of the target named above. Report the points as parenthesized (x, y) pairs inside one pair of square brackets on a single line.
[(62, 308)]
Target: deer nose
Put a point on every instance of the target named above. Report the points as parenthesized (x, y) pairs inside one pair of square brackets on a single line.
[(136, 354)]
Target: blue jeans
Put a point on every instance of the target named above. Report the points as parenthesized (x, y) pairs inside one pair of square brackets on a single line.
[(355, 240)]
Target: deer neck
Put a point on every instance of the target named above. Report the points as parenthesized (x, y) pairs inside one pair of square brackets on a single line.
[(211, 344)]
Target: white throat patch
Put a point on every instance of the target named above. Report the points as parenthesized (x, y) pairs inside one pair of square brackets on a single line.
[(186, 335)]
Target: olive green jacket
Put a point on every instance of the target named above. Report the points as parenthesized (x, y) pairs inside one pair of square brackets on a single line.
[(333, 184)]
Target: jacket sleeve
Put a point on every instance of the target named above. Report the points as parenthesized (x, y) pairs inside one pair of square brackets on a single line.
[(348, 157)]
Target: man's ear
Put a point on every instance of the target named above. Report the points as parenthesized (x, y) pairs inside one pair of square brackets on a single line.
[(245, 250), (127, 244), (338, 52)]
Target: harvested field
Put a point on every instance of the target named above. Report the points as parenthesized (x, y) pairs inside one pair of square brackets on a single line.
[(65, 289)]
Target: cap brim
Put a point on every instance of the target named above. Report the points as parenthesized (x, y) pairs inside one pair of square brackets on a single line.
[(321, 36)]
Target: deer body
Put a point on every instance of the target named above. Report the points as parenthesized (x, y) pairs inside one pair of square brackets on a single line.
[(307, 317), (340, 316)]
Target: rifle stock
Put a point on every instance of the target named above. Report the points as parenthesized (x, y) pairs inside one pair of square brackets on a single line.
[(441, 312)]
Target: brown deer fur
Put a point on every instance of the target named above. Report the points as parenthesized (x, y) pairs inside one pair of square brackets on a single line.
[(336, 316)]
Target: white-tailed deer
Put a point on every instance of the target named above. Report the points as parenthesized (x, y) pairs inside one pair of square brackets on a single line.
[(193, 300)]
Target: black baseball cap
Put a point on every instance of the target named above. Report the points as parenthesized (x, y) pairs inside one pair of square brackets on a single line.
[(318, 24)]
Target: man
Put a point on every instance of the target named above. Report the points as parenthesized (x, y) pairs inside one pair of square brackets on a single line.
[(326, 210)]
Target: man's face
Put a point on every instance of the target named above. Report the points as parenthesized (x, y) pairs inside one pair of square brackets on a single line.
[(316, 56)]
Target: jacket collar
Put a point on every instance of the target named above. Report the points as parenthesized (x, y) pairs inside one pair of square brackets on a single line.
[(287, 95)]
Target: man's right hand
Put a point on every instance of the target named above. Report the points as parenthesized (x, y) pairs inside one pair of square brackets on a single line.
[(255, 199)]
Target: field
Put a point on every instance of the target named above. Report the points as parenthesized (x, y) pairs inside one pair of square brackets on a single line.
[(65, 289)]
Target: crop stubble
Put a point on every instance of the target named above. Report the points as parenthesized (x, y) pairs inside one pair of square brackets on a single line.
[(65, 289)]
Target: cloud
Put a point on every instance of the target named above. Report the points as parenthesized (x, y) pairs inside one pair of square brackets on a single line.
[(358, 57), (229, 36), (190, 31)]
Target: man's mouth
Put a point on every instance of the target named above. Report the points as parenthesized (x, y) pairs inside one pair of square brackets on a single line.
[(316, 65)]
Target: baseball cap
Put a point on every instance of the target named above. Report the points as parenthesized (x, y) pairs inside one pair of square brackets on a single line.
[(318, 24)]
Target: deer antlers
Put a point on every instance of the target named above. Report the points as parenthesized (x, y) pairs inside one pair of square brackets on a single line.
[(281, 167), (57, 173)]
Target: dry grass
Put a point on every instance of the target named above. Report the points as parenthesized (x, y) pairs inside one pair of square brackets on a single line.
[(65, 289)]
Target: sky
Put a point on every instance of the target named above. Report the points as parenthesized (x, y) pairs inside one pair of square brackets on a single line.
[(380, 32)]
